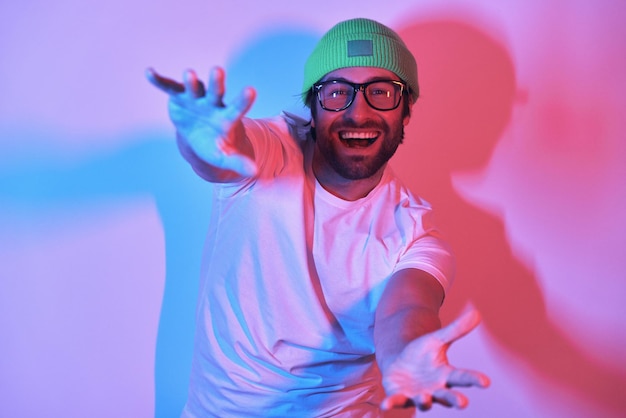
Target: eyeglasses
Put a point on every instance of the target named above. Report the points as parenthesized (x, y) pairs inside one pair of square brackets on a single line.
[(337, 95)]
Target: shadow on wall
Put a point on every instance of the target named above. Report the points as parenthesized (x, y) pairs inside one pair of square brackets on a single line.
[(39, 176), (277, 77), (468, 89), (37, 179)]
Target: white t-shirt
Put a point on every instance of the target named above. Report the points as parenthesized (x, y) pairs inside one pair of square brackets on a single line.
[(290, 282)]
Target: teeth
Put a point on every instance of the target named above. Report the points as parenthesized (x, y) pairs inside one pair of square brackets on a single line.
[(358, 135)]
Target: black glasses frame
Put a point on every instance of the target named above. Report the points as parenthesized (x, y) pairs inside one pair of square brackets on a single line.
[(357, 87)]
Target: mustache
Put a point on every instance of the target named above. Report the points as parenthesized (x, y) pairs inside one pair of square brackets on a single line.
[(347, 124)]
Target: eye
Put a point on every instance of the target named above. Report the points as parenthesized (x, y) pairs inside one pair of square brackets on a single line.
[(379, 92), (336, 91), (381, 89)]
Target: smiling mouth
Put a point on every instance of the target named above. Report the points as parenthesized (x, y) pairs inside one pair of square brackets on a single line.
[(358, 139)]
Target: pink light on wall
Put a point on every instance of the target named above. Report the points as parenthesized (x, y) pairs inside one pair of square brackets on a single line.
[(525, 180)]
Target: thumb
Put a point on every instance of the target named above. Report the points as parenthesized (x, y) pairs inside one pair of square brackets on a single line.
[(460, 326), (395, 401)]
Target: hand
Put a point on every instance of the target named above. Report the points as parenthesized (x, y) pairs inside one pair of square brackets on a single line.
[(212, 130), (421, 374)]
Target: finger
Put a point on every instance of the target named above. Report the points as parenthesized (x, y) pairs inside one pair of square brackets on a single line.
[(240, 105), (396, 401), (193, 86), (459, 327), (167, 85), (423, 401), (461, 377), (447, 397), (215, 87)]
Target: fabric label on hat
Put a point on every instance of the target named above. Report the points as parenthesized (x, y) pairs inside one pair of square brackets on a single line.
[(360, 48)]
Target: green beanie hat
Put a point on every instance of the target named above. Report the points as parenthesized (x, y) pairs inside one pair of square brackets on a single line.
[(360, 43)]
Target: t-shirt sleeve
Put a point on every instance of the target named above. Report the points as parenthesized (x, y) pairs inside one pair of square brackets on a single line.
[(430, 253), (273, 143)]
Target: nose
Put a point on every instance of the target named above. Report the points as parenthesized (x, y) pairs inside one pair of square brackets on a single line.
[(359, 107)]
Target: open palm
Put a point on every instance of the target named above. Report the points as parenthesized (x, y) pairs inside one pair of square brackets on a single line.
[(421, 375), (212, 129)]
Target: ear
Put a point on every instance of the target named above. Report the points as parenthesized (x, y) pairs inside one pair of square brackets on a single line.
[(409, 112), (313, 114)]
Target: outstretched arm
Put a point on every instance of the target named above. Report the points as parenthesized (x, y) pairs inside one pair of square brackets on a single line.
[(210, 133), (411, 346)]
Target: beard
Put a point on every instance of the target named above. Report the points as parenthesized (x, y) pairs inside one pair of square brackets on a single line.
[(358, 167)]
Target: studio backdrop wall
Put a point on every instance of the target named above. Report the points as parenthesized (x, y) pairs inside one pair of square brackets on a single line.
[(517, 140)]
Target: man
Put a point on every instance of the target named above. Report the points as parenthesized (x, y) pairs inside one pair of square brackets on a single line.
[(323, 275)]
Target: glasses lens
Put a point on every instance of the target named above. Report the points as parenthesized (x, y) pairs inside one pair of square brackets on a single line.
[(335, 95), (383, 95), (338, 95)]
